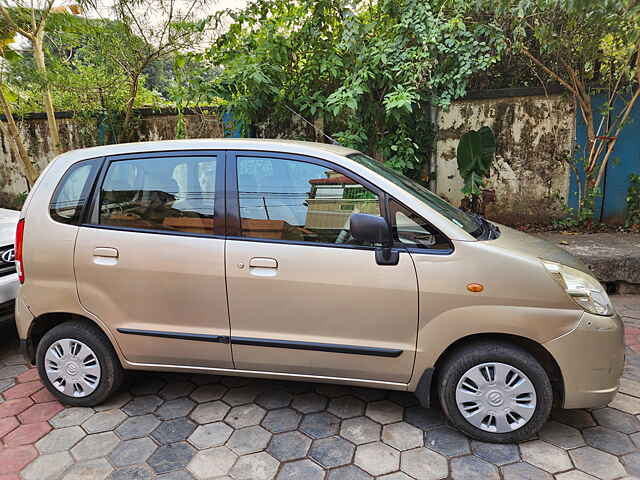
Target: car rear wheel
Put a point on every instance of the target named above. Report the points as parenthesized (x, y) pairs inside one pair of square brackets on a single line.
[(495, 392), (77, 364)]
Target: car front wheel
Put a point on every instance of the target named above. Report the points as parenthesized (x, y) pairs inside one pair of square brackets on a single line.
[(77, 364), (495, 392)]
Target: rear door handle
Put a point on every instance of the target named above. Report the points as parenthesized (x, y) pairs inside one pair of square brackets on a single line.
[(105, 252), (263, 262)]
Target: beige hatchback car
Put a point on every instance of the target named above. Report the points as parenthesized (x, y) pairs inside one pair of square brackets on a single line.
[(302, 261)]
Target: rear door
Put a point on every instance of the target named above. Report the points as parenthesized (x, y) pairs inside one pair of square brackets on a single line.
[(304, 296), (150, 259)]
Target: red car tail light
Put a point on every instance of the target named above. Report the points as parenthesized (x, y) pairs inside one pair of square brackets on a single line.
[(18, 247)]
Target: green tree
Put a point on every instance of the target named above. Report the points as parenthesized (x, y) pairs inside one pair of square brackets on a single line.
[(365, 72), (590, 47)]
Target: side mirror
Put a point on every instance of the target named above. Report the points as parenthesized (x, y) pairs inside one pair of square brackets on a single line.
[(370, 228), (374, 229)]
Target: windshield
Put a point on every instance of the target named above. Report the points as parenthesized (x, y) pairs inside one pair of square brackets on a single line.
[(457, 216)]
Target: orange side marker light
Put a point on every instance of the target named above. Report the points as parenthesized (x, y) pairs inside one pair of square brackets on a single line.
[(475, 287)]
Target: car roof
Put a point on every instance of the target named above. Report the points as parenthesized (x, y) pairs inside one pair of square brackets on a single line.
[(292, 146)]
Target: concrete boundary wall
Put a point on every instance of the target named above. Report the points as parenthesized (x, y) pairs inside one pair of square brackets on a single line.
[(534, 135)]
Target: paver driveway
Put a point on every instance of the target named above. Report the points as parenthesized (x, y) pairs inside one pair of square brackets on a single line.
[(195, 426)]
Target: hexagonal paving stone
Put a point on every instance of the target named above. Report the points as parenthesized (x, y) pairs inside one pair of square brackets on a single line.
[(632, 463), (60, 439), (369, 394), (629, 387), (135, 472), (15, 459), (522, 471), (360, 430), (94, 446), (424, 464), (498, 454), (574, 475), (447, 441), (114, 401), (597, 463), (15, 406), (47, 466), (213, 462), (12, 371), (26, 434), (233, 382), (423, 418), (131, 452), (136, 427), (377, 458), (320, 425), (180, 407), (146, 384), (22, 390), (181, 475), (471, 467), (242, 395), (210, 435), (309, 403), (257, 466), (617, 420), (545, 456), (172, 431), (350, 472), (249, 440), (175, 390), (300, 469), (210, 412), (207, 393), (281, 420), (274, 398), (245, 416), (40, 412), (561, 435), (402, 436), (70, 417), (384, 412), (8, 424), (289, 446), (171, 457), (608, 440), (332, 452), (576, 418), (97, 469), (346, 407), (626, 403), (104, 421), (142, 405)]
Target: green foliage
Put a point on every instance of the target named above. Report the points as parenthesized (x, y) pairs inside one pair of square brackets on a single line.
[(368, 71), (475, 154), (633, 202)]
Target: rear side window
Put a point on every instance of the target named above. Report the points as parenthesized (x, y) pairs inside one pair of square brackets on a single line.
[(166, 193), (72, 192)]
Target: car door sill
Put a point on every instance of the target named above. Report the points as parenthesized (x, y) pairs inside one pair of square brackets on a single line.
[(262, 374)]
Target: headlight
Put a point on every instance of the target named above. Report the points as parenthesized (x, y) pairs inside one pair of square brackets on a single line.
[(585, 290)]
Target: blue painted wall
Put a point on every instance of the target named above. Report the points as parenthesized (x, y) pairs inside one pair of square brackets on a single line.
[(625, 160)]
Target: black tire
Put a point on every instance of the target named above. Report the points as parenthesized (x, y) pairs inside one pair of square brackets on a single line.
[(112, 373), (466, 357)]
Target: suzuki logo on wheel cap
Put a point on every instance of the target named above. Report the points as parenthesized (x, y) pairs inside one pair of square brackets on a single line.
[(8, 256)]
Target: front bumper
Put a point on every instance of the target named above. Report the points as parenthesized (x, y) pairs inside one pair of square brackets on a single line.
[(591, 360)]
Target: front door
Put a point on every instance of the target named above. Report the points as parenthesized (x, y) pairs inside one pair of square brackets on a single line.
[(150, 263), (304, 296)]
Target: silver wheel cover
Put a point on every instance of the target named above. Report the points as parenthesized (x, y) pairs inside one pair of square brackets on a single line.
[(72, 368), (496, 397)]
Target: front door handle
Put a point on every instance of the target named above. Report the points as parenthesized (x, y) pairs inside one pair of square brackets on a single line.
[(105, 252), (263, 262)]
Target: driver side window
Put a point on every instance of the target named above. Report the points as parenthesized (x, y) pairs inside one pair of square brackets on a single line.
[(283, 199)]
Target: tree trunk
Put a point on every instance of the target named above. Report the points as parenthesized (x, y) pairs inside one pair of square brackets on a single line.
[(133, 93), (14, 136), (38, 53)]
